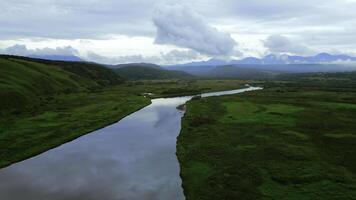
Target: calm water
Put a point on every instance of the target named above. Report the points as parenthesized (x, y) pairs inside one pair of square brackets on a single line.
[(131, 159)]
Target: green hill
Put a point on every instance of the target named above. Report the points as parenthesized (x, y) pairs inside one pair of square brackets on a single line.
[(24, 80), (231, 71), (138, 72)]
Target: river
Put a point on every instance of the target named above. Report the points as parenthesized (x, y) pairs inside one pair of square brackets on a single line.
[(133, 159)]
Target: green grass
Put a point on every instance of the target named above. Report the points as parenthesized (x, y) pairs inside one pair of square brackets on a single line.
[(279, 143), (150, 73), (24, 81), (61, 119)]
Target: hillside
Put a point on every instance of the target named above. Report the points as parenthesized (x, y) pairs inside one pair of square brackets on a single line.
[(58, 57), (24, 80), (230, 71), (138, 72), (138, 65), (343, 81)]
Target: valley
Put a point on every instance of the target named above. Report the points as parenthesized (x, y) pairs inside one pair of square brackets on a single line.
[(47, 103), (257, 145)]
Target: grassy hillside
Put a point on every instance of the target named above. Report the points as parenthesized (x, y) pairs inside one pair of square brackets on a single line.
[(341, 80), (148, 73), (24, 81), (289, 141), (230, 71)]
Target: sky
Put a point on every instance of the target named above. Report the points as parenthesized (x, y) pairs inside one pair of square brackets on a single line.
[(169, 31)]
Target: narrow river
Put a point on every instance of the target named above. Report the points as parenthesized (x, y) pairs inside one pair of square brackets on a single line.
[(133, 159)]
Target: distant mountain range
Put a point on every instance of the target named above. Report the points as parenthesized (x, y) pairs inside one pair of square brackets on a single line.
[(150, 65), (268, 66), (246, 68), (272, 59)]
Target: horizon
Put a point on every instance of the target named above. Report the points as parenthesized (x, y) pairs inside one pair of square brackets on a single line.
[(277, 59)]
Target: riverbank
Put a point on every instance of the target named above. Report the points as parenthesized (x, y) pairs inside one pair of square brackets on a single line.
[(62, 118), (279, 143)]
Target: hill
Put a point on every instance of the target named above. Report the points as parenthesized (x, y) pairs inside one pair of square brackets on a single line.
[(150, 65), (138, 72), (58, 57), (24, 80), (230, 71)]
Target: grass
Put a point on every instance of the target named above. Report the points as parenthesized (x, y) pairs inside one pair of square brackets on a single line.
[(23, 82), (279, 143), (61, 119), (138, 72)]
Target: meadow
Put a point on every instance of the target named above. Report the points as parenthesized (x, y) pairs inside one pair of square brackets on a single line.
[(291, 140)]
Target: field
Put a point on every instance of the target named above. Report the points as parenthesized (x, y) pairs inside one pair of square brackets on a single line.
[(288, 141)]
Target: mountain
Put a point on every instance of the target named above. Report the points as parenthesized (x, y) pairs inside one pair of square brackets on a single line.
[(57, 57), (138, 72), (211, 62), (24, 81), (322, 62), (150, 65), (322, 58)]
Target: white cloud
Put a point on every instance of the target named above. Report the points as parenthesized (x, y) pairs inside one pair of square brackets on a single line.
[(280, 44), (177, 56), (22, 50), (181, 26), (171, 57), (320, 25)]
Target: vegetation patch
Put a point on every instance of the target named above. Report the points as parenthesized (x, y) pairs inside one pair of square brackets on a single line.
[(271, 144)]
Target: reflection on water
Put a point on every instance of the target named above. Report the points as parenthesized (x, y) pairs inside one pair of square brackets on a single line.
[(132, 159)]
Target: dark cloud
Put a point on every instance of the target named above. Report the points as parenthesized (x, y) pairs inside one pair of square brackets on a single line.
[(180, 26)]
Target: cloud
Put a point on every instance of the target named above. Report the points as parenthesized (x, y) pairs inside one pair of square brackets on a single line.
[(175, 56), (80, 19), (91, 56), (280, 44), (180, 26), (320, 25), (22, 50), (171, 57)]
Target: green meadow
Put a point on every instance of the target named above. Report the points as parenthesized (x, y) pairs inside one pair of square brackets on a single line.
[(278, 143)]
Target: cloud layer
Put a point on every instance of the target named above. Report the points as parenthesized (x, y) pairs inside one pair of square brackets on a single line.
[(318, 25), (180, 26), (171, 57), (22, 50), (280, 44)]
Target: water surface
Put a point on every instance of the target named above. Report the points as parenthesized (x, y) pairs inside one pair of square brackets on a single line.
[(133, 159)]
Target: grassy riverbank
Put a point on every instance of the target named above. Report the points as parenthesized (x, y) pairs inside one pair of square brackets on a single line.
[(289, 141), (53, 119)]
